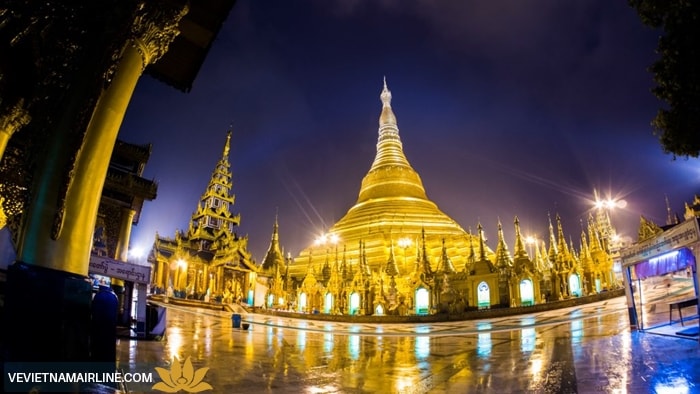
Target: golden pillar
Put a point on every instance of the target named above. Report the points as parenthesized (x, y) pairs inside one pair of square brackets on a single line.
[(54, 246), (122, 250), (205, 279), (62, 240), (220, 281), (162, 276), (122, 289)]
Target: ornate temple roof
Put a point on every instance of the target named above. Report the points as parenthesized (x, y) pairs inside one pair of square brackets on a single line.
[(211, 237), (198, 29), (273, 258), (392, 205)]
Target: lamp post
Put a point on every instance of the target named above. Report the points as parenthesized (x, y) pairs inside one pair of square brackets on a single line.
[(603, 224)]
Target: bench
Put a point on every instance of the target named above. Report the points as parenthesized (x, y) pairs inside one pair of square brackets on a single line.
[(680, 305)]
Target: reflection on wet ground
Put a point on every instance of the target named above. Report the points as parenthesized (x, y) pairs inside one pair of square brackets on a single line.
[(587, 349)]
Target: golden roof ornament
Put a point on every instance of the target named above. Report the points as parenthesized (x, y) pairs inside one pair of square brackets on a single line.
[(390, 175), (227, 147), (387, 117)]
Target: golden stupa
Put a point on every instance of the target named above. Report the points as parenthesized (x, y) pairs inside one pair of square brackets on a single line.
[(393, 222)]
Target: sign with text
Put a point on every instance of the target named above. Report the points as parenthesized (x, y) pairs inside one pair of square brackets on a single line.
[(683, 234), (119, 269)]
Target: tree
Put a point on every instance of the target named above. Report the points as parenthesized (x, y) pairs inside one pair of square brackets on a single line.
[(676, 73)]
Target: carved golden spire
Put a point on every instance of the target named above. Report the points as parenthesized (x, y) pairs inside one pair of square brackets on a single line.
[(503, 259), (585, 251), (274, 257), (482, 249), (387, 117), (593, 238), (392, 269), (483, 265), (552, 241), (446, 265), (214, 211), (469, 265), (390, 175), (423, 262), (519, 250), (227, 146), (561, 245)]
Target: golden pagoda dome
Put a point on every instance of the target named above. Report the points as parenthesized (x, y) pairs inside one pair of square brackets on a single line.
[(392, 209)]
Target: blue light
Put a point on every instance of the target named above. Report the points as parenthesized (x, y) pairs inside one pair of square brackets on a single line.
[(664, 256)]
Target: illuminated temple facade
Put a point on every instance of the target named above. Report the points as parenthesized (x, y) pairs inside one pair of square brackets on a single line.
[(209, 261), (395, 252)]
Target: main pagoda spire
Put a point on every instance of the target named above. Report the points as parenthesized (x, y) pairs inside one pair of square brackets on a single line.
[(390, 175), (391, 205)]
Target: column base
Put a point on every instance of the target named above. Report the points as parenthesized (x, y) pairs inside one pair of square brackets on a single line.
[(46, 316), (633, 317)]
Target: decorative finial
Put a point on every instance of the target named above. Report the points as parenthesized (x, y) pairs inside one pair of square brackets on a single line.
[(228, 141), (386, 95)]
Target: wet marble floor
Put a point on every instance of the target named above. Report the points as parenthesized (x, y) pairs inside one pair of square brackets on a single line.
[(586, 349)]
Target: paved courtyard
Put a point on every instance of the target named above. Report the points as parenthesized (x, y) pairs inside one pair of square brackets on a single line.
[(587, 349)]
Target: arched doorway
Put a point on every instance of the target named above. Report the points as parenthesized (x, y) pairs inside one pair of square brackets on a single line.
[(527, 293), (354, 304), (302, 302), (574, 285), (483, 296), (328, 303), (379, 310), (422, 301)]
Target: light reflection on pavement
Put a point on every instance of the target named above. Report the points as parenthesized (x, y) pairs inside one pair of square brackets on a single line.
[(584, 349)]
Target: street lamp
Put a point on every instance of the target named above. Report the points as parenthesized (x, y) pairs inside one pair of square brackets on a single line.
[(607, 203), (609, 238), (610, 204)]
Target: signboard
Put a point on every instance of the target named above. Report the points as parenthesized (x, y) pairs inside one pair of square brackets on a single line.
[(119, 269), (683, 234)]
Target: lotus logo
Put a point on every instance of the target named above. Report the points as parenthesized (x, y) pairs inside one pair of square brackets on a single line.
[(182, 377)]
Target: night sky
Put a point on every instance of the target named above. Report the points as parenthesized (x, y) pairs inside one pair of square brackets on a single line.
[(504, 108)]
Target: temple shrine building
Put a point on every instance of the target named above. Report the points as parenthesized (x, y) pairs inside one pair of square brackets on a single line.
[(209, 261), (393, 253), (396, 252)]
